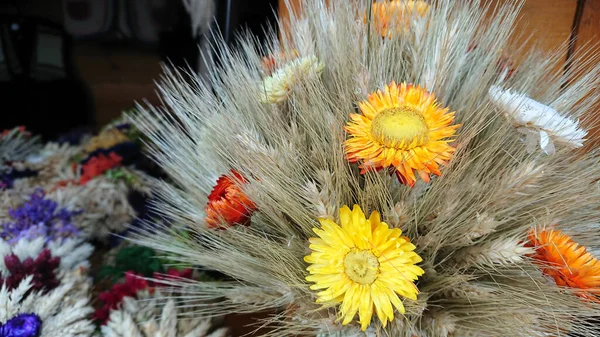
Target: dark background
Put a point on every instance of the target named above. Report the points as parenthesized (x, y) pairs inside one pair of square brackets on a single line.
[(72, 81)]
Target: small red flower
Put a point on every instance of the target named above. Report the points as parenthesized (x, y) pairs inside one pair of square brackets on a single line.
[(227, 203), (22, 130), (98, 165), (113, 297)]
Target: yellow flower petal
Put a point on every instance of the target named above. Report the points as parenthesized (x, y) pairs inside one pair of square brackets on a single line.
[(366, 307)]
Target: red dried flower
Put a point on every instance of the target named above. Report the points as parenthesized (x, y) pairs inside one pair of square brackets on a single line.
[(171, 275), (227, 203), (98, 165), (113, 297), (62, 183), (42, 268), (21, 130)]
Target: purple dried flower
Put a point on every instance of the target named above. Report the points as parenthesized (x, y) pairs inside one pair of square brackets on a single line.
[(22, 325), (7, 179), (39, 217)]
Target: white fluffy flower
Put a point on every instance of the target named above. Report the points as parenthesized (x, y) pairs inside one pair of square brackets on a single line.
[(277, 87), (50, 150), (537, 121), (16, 144), (107, 209), (62, 311), (153, 315)]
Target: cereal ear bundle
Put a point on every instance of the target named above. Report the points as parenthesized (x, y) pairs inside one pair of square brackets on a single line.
[(380, 170)]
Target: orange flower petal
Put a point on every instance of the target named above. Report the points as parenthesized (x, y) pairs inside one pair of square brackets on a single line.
[(568, 263)]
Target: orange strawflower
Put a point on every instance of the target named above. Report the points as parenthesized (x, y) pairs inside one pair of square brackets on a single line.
[(567, 262), (392, 17), (227, 203), (401, 127), (98, 165)]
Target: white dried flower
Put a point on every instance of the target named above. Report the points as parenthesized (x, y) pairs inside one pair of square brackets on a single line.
[(52, 163), (105, 202), (51, 150), (538, 121), (62, 311), (153, 315), (276, 88), (16, 144)]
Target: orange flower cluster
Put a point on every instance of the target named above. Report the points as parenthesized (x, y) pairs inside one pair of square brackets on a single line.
[(98, 165), (567, 262), (227, 203), (393, 17)]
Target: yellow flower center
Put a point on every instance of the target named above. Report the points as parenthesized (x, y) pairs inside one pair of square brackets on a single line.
[(401, 128), (361, 266)]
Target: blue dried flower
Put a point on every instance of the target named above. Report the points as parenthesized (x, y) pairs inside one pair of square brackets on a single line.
[(7, 179), (39, 217), (22, 325)]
